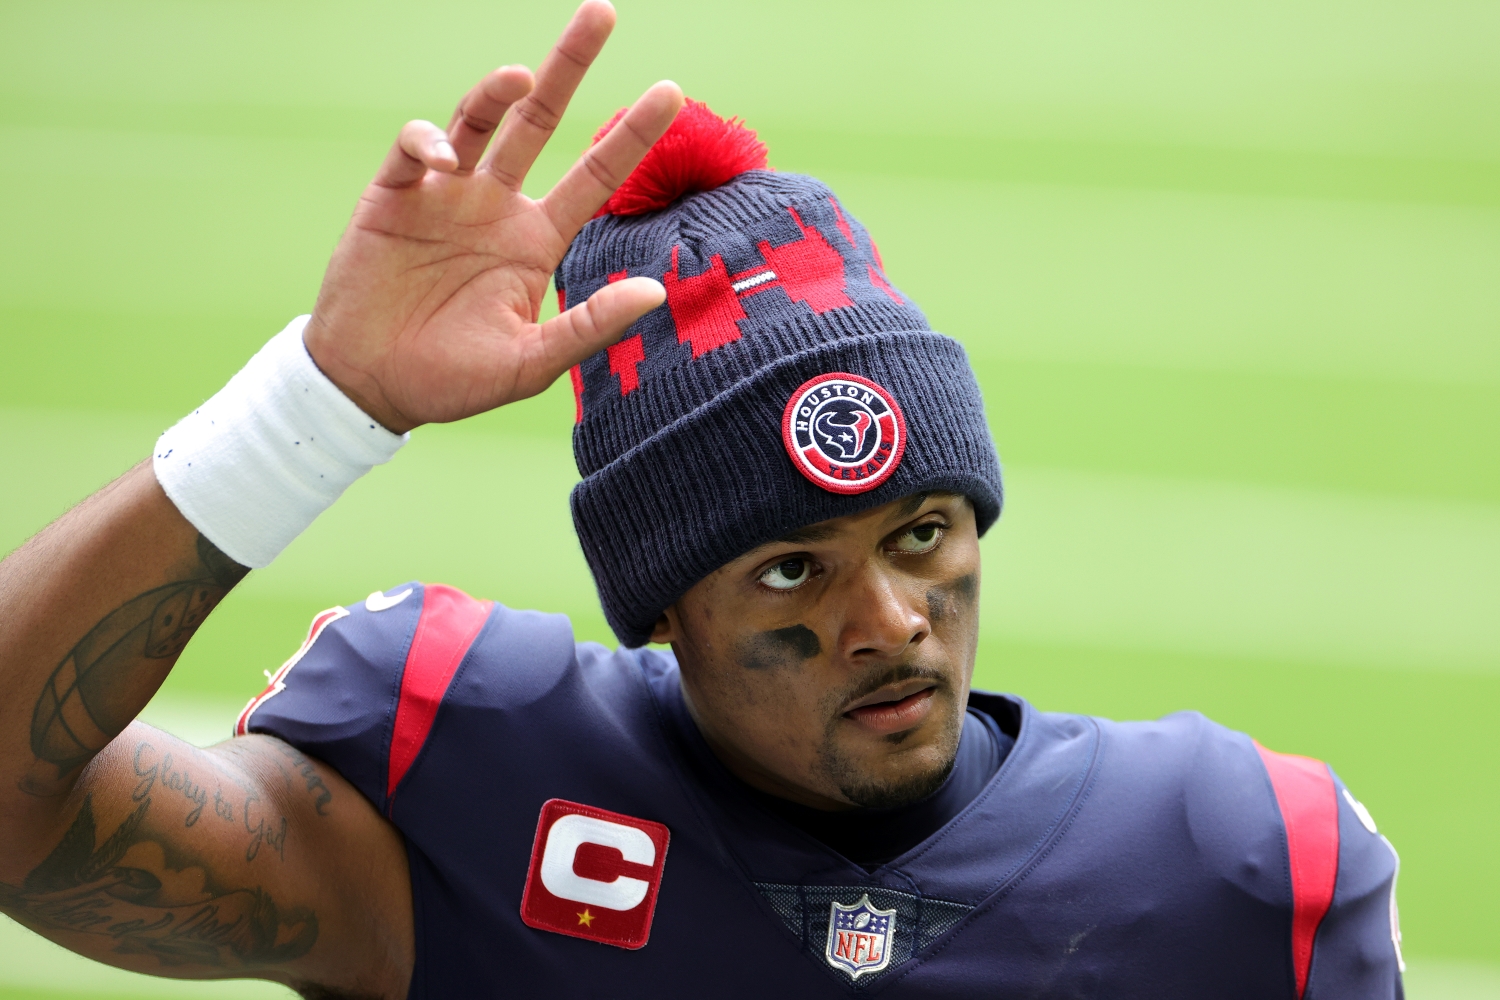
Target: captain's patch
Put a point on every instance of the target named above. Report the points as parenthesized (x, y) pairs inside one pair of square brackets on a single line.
[(594, 874)]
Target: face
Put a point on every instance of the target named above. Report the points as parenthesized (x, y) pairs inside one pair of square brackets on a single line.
[(832, 667)]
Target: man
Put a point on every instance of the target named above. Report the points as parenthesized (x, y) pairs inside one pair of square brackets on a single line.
[(785, 476)]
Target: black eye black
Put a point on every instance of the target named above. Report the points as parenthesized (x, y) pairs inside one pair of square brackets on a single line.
[(924, 533), (793, 569)]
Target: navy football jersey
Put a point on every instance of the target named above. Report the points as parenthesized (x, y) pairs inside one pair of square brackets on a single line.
[(569, 832)]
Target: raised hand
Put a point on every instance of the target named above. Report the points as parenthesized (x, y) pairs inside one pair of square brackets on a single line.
[(428, 310)]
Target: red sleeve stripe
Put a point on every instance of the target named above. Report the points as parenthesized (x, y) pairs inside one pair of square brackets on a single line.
[(277, 681), (1309, 808), (450, 623)]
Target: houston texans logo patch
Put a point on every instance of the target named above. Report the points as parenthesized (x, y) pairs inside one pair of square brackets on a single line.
[(844, 432)]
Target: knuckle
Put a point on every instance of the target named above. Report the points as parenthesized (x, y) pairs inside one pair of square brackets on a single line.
[(537, 114), (593, 311), (600, 170), (505, 177), (576, 59), (477, 123), (634, 130)]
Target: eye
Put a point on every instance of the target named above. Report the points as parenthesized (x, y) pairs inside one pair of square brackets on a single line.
[(922, 538), (787, 574)]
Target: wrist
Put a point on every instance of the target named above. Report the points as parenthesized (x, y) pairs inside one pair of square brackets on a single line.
[(254, 466), (361, 387)]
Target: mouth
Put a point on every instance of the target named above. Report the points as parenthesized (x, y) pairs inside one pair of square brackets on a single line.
[(893, 709)]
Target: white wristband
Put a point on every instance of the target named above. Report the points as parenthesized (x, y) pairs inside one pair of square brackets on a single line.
[(256, 464)]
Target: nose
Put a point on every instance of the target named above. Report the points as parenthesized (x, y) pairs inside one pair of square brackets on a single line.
[(881, 619)]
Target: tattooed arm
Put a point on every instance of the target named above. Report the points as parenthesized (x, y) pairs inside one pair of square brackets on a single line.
[(245, 859), (129, 846)]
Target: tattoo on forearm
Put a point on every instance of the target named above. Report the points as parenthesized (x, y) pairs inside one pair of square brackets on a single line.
[(245, 809), (263, 830), (169, 777), (142, 895), (96, 689), (307, 773)]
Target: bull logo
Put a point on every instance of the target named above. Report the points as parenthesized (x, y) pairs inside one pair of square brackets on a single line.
[(841, 433)]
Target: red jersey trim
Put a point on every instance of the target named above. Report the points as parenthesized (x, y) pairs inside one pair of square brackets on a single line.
[(277, 681), (1309, 806), (449, 624)]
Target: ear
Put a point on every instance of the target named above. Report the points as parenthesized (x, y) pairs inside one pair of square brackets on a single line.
[(665, 630)]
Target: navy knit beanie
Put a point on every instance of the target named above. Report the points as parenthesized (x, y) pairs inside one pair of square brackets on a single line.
[(784, 382)]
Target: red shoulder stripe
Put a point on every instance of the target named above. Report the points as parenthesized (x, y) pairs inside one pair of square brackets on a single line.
[(450, 623), (1309, 808), (277, 681)]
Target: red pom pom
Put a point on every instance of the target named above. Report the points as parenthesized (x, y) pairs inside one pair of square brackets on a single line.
[(699, 152)]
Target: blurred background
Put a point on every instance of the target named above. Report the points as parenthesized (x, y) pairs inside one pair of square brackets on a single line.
[(1229, 273)]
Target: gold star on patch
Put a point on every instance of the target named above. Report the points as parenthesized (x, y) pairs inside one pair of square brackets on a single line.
[(585, 919)]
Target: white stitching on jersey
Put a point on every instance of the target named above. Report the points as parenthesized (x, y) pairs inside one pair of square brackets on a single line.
[(277, 681)]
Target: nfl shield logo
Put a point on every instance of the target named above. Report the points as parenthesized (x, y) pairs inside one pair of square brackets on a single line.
[(859, 937)]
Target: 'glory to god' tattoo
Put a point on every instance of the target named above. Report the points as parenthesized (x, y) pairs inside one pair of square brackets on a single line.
[(96, 689), (157, 771), (142, 896)]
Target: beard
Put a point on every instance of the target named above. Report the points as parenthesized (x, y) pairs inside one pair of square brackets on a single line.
[(874, 793), (864, 785)]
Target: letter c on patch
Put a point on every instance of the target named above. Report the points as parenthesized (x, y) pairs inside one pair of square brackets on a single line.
[(575, 891), (570, 833)]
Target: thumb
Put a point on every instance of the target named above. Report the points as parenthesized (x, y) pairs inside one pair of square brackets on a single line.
[(595, 324)]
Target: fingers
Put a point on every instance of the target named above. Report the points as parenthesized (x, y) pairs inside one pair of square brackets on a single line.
[(606, 164), (481, 110), (532, 120), (420, 147), (595, 324)]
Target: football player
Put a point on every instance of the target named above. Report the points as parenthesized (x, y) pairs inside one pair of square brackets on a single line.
[(785, 475)]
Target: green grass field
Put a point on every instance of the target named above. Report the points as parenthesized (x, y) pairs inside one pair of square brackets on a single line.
[(1228, 274)]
